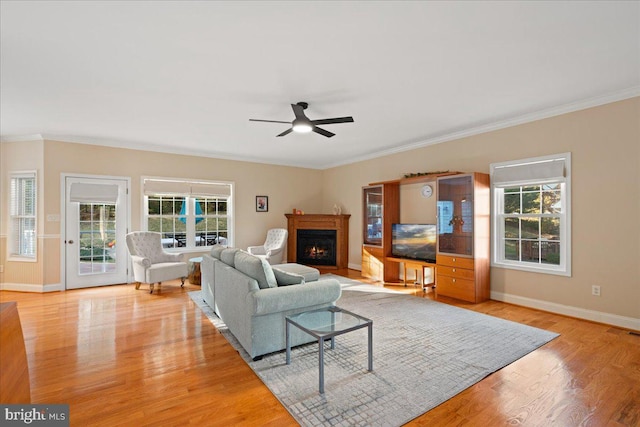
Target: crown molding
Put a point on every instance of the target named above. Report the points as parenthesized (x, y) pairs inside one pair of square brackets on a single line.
[(584, 104), (22, 138)]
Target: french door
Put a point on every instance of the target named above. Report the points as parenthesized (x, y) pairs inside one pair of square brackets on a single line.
[(96, 223)]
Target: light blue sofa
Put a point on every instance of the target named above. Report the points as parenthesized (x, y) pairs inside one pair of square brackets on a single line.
[(252, 297)]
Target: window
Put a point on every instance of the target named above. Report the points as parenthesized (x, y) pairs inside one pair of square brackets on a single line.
[(22, 233), (531, 214), (188, 214)]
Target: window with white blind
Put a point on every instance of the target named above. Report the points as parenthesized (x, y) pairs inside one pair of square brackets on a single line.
[(22, 213), (189, 214), (531, 214)]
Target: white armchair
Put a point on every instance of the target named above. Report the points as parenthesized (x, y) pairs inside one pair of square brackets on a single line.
[(274, 247), (151, 264)]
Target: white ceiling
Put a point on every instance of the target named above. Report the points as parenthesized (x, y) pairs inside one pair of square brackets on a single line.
[(186, 77)]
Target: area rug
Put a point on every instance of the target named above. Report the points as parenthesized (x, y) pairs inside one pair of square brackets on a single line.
[(424, 353)]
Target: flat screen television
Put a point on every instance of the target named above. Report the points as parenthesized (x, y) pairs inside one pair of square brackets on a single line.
[(414, 241)]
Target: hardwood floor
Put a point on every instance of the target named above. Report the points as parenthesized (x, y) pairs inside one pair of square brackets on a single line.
[(119, 356)]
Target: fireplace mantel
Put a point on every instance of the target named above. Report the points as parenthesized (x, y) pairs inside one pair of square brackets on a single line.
[(340, 223)]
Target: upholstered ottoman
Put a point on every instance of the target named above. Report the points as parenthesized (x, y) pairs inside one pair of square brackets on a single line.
[(310, 274)]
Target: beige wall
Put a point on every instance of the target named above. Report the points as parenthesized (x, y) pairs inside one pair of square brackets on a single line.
[(286, 187), (605, 146), (19, 157)]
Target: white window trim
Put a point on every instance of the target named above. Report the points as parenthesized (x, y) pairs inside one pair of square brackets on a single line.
[(497, 231), (17, 257), (191, 183)]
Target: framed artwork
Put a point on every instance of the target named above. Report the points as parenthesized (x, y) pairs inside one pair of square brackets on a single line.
[(262, 204)]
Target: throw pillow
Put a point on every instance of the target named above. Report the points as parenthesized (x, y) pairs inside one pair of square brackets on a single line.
[(284, 278), (256, 268)]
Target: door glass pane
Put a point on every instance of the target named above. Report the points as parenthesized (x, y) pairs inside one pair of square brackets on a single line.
[(97, 238), (372, 216), (455, 215)]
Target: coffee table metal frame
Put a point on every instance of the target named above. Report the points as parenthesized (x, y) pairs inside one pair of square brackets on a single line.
[(322, 336)]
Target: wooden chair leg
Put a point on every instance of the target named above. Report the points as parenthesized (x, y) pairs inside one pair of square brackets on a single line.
[(182, 280), (151, 288), (137, 285)]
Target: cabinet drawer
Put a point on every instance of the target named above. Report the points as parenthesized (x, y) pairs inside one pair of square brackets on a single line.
[(454, 261), (456, 288), (457, 272)]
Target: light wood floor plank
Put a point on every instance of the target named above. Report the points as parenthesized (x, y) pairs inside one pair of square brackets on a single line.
[(124, 357)]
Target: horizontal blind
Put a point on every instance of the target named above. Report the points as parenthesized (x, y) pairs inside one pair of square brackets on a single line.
[(93, 193), (188, 188), (521, 174)]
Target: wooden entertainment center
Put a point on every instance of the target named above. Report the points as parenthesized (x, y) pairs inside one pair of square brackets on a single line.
[(463, 221)]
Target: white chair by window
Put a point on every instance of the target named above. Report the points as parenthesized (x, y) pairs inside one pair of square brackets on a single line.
[(151, 264), (273, 248)]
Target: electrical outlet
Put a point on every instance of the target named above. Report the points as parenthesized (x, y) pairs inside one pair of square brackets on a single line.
[(595, 290)]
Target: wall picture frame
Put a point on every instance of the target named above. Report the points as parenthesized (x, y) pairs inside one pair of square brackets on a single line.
[(262, 203)]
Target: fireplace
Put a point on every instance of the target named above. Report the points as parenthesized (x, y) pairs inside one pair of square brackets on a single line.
[(316, 247), (319, 229)]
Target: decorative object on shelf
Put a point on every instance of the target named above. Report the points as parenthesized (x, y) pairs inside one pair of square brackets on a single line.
[(413, 175), (426, 191), (337, 210), (262, 203), (456, 221)]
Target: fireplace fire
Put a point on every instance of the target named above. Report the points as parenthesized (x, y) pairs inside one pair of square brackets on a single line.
[(316, 247)]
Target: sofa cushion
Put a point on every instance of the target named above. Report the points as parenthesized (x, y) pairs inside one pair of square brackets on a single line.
[(310, 274), (256, 268), (216, 251), (228, 256), (285, 278)]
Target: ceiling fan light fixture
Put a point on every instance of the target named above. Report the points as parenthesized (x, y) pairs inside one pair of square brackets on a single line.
[(301, 126)]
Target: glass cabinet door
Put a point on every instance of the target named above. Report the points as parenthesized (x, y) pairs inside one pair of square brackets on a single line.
[(372, 221), (455, 215)]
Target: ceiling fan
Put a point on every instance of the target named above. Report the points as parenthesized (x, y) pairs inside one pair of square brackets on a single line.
[(302, 124)]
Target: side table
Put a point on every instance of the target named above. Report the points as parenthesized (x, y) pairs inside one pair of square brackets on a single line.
[(194, 271)]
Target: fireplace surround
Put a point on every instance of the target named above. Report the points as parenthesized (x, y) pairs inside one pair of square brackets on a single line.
[(318, 227)]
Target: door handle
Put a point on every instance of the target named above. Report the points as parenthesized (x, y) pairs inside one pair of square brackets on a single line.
[(70, 242)]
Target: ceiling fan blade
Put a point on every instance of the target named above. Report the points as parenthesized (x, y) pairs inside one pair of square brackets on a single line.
[(298, 110), (268, 121), (286, 132), (334, 120), (323, 132)]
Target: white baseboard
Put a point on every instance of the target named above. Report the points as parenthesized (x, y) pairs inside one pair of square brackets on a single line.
[(567, 310), (355, 266), (28, 287)]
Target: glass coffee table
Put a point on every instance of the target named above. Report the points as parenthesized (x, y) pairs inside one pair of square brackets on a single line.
[(325, 324)]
